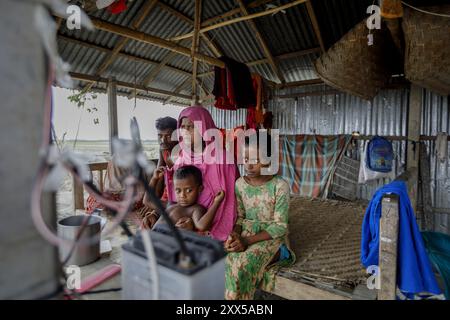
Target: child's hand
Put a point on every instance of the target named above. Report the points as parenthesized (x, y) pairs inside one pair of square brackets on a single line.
[(219, 196), (158, 173), (149, 220), (185, 223)]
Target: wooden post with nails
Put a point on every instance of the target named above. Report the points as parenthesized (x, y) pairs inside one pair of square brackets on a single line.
[(388, 247)]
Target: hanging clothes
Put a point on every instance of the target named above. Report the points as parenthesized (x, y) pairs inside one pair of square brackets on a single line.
[(258, 87), (223, 90), (251, 122), (233, 86), (415, 274), (118, 7)]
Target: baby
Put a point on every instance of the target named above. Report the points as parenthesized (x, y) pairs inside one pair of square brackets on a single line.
[(187, 213)]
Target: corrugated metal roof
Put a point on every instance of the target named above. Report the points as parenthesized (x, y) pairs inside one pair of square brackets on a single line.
[(284, 33), (287, 32)]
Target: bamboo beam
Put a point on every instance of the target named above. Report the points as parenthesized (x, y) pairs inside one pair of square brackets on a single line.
[(308, 94), (240, 19), (159, 42), (262, 42), (315, 24), (194, 49), (174, 69), (296, 54), (300, 83), (131, 86), (122, 54)]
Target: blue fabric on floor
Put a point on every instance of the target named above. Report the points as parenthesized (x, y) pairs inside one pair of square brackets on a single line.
[(284, 253), (414, 270)]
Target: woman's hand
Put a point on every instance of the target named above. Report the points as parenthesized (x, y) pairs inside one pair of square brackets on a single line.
[(235, 243)]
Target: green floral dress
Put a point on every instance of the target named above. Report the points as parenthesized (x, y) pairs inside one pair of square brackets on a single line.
[(259, 208)]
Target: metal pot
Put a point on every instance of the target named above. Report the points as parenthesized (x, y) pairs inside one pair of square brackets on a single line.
[(83, 253)]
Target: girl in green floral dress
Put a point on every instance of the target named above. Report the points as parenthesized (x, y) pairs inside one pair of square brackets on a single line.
[(258, 243)]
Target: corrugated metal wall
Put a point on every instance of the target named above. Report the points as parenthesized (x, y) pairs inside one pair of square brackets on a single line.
[(340, 113), (435, 119)]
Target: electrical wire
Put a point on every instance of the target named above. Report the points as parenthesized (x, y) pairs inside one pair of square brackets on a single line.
[(52, 237), (186, 255), (101, 291), (427, 12), (152, 263)]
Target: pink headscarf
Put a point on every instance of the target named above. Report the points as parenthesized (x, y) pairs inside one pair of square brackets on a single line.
[(216, 177)]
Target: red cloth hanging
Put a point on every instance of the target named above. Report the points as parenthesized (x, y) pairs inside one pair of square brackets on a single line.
[(118, 7)]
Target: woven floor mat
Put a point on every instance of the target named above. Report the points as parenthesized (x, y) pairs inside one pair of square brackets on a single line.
[(325, 235)]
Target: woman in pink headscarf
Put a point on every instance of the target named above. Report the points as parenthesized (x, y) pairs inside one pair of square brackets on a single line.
[(217, 173)]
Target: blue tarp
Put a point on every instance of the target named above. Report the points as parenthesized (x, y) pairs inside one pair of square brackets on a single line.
[(414, 270)]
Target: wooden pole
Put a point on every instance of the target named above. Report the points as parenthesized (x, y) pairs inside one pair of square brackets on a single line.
[(240, 19), (388, 248), (112, 112), (427, 212), (78, 195), (315, 24), (194, 49), (159, 42), (412, 159)]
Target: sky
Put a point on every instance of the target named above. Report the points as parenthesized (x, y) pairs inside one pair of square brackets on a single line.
[(67, 116)]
